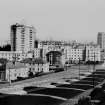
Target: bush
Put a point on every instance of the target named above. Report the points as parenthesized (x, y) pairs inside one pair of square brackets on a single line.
[(84, 101), (97, 94)]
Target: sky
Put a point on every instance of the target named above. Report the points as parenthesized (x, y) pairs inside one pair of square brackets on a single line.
[(79, 20)]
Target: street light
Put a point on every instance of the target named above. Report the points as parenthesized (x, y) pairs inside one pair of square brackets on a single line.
[(79, 68), (88, 61), (94, 71), (9, 77), (89, 66)]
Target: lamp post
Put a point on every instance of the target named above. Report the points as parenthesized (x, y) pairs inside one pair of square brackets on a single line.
[(94, 71), (88, 61), (9, 77), (79, 68), (89, 66)]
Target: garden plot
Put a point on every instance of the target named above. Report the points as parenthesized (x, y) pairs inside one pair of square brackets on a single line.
[(76, 86), (59, 92), (95, 79)]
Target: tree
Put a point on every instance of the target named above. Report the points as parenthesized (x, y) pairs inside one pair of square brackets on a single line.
[(5, 48), (97, 94)]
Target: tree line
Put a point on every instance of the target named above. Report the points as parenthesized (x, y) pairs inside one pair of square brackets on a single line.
[(5, 47)]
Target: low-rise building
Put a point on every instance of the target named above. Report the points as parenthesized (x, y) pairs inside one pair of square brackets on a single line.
[(15, 70), (11, 71), (36, 65)]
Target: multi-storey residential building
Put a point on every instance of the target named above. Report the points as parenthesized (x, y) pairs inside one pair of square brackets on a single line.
[(22, 38), (77, 54), (93, 53), (74, 54), (101, 40)]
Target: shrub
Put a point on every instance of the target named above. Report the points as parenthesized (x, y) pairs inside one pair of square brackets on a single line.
[(84, 101), (97, 94)]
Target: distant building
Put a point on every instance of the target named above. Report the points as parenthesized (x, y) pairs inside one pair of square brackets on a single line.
[(103, 55), (93, 53), (48, 43), (54, 57), (2, 71), (73, 55), (101, 40), (22, 38), (48, 46), (36, 53), (13, 55)]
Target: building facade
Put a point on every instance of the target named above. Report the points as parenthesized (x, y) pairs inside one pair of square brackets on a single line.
[(36, 65), (73, 55), (93, 53), (22, 38), (101, 40), (13, 55), (13, 71)]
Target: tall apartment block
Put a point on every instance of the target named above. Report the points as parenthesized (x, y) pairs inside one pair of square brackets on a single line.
[(22, 37), (101, 40)]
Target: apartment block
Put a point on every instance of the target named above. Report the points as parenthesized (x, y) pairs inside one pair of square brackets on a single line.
[(22, 37), (93, 53)]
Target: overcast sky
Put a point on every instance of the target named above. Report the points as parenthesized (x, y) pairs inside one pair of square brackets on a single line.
[(57, 19)]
